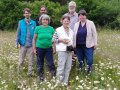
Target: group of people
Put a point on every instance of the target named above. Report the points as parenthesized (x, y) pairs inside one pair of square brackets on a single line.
[(39, 38)]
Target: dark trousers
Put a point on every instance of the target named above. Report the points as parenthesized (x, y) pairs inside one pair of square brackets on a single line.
[(48, 54), (85, 53)]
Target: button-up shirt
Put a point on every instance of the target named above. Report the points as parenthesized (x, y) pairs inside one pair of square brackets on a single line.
[(28, 39), (73, 19)]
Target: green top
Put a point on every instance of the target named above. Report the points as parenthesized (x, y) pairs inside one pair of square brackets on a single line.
[(44, 36)]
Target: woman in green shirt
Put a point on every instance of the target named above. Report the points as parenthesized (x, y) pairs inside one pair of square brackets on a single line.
[(42, 46)]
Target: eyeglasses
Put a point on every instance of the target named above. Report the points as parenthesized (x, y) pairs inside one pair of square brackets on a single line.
[(42, 10), (72, 6), (26, 13)]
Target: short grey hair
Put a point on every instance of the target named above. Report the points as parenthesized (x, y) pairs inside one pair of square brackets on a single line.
[(44, 16), (72, 3)]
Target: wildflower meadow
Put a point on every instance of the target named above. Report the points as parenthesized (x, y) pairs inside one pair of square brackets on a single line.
[(105, 75)]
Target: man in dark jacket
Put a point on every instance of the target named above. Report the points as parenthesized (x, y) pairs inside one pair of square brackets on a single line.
[(43, 10)]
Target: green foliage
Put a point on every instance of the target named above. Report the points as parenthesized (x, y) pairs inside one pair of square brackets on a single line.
[(102, 12), (62, 2), (11, 11)]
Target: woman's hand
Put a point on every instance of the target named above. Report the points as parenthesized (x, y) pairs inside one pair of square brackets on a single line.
[(33, 43), (65, 41), (94, 47), (54, 48), (34, 50)]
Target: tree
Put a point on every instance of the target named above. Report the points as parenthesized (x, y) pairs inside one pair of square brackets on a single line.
[(62, 2)]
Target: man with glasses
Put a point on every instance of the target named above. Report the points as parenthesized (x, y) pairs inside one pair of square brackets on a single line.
[(73, 19), (72, 14), (24, 38)]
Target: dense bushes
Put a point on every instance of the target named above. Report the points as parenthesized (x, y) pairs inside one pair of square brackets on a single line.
[(102, 12), (11, 11)]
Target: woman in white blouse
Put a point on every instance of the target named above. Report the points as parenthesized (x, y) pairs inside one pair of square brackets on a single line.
[(63, 37)]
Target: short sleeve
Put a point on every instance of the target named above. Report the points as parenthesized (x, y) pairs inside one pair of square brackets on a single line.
[(36, 30), (53, 30)]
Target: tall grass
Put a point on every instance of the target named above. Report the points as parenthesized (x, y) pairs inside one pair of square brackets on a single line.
[(106, 74)]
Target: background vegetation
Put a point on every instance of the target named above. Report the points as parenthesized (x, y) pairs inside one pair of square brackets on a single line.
[(102, 12)]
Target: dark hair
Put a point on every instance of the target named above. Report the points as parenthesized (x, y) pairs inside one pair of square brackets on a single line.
[(43, 7), (65, 16), (82, 12), (27, 9)]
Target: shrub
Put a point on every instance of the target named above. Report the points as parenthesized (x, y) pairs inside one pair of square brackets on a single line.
[(11, 11), (102, 12)]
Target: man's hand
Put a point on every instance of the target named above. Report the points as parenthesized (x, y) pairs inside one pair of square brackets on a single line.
[(18, 46)]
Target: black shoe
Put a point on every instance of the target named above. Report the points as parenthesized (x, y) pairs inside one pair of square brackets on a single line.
[(89, 72), (81, 69), (41, 78), (53, 74)]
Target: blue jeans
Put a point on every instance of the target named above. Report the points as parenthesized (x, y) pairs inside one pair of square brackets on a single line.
[(85, 53), (48, 54)]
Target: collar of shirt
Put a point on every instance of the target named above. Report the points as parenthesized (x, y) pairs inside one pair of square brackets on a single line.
[(29, 22), (73, 14)]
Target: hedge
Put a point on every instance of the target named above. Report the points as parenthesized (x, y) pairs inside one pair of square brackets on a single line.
[(102, 12)]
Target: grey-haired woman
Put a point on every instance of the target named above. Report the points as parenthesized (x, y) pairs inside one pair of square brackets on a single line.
[(42, 46)]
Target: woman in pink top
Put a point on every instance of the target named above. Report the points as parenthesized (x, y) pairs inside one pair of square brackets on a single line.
[(85, 40)]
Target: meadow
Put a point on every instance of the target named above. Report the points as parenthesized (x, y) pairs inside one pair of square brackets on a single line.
[(106, 74)]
